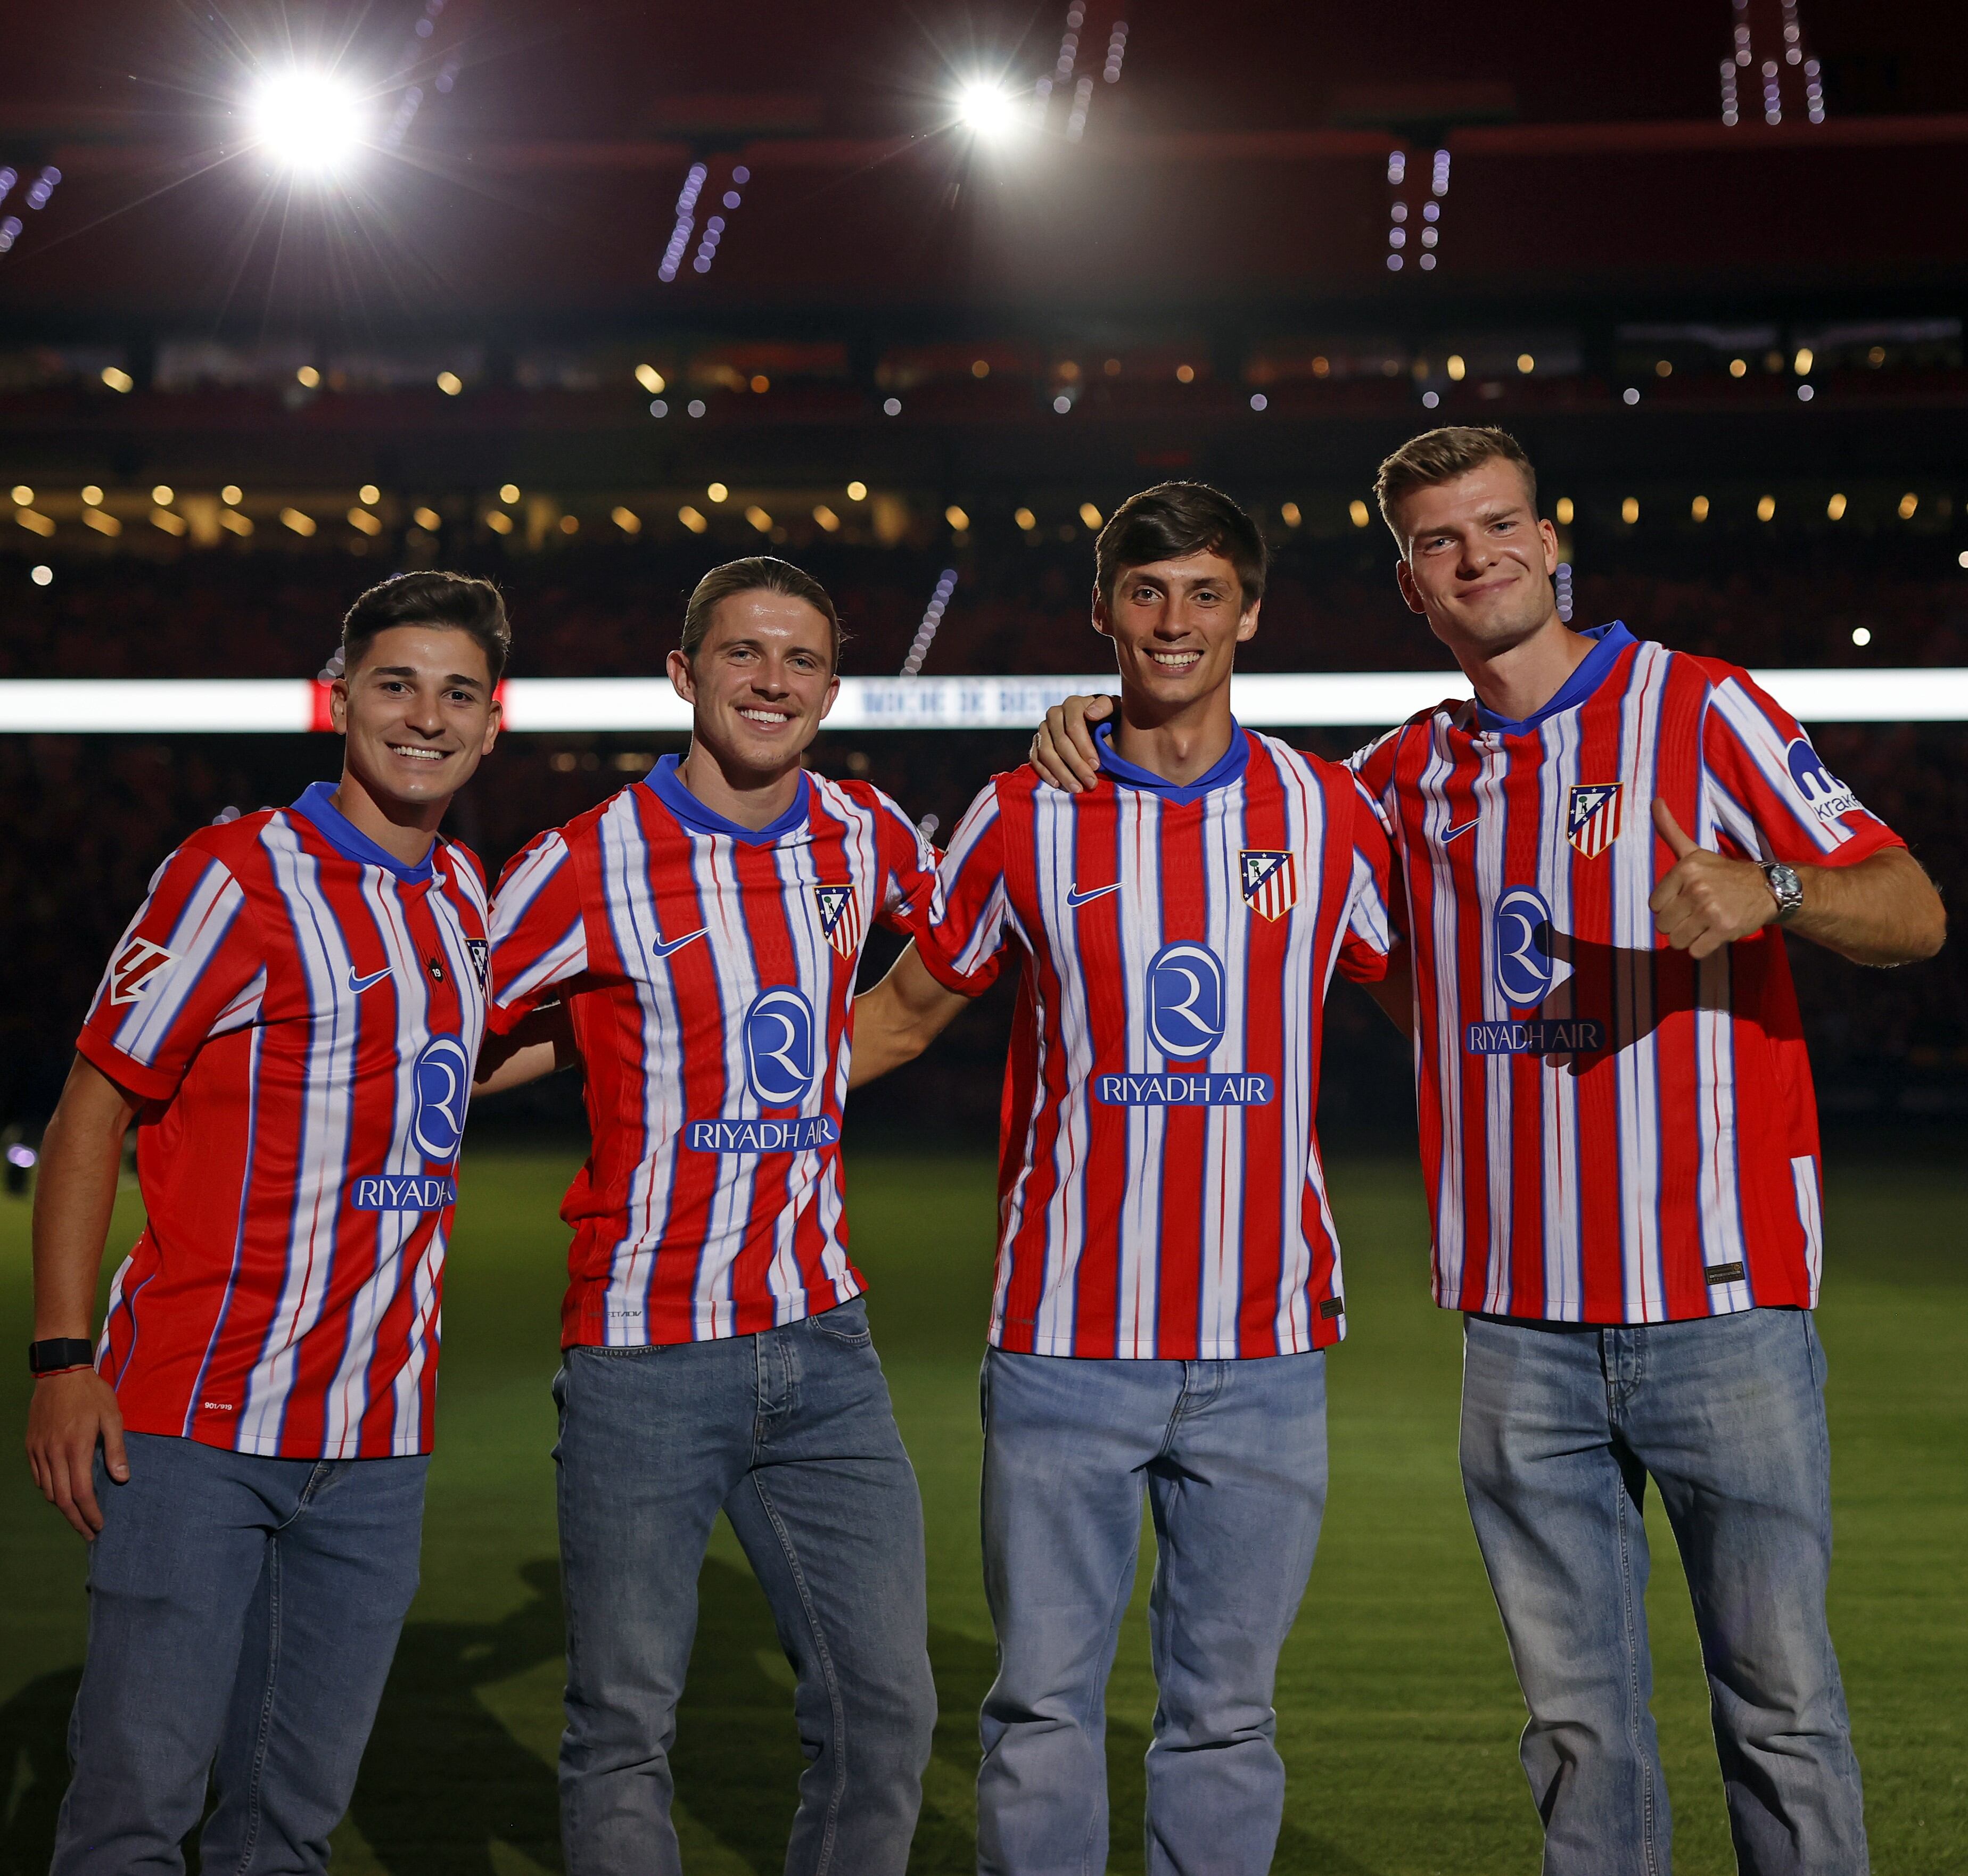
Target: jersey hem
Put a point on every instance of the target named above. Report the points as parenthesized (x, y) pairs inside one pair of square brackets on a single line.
[(153, 1084), (1725, 1309), (271, 1449), (973, 984), (1061, 1348), (583, 1327)]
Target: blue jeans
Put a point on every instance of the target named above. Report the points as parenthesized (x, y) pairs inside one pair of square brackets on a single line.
[(1562, 1428), (242, 1613), (791, 1434), (1231, 1455)]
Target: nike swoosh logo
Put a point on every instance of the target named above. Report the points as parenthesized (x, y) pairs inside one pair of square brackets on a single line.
[(1075, 897), (1451, 833), (358, 985), (677, 944)]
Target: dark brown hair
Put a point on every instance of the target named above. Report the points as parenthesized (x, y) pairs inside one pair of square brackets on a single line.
[(1174, 518), (454, 601), (756, 573), (1439, 456)]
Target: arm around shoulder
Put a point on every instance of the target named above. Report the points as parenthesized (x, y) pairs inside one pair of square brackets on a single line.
[(900, 1018)]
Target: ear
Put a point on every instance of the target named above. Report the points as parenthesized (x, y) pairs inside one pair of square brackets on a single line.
[(1404, 578), (495, 721), (1103, 623), (833, 695), (338, 705), (683, 680), (1549, 535), (1247, 626)]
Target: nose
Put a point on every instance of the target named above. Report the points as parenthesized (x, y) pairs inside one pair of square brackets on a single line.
[(769, 681), (423, 715)]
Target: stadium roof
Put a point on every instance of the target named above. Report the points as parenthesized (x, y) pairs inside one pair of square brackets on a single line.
[(1236, 154)]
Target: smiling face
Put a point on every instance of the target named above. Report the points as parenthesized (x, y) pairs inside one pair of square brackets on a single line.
[(418, 712), (761, 680), (1477, 561), (1175, 625)]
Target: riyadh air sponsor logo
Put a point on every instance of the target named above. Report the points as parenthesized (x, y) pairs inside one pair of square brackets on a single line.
[(839, 918), (136, 969), (1183, 1090), (780, 1032), (800, 1134), (1592, 817), (359, 984), (1186, 1013), (1075, 898), (1572, 1035), (1828, 796), (1270, 882), (480, 952), (415, 1191), (1520, 931), (442, 1079)]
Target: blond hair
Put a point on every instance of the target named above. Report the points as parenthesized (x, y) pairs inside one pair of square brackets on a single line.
[(1439, 456)]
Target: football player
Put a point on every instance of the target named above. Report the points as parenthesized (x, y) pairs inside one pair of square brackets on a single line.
[(290, 1023), (696, 938), (1168, 1274)]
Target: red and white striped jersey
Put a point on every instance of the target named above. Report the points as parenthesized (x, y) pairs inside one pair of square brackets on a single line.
[(708, 969), (1161, 1193), (1611, 1132), (299, 1012)]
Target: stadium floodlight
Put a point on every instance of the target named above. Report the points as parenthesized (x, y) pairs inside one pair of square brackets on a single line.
[(309, 121), (987, 109)]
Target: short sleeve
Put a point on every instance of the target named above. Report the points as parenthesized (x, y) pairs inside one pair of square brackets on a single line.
[(1369, 933), (1767, 790), (912, 887), (539, 937), (191, 966), (962, 945)]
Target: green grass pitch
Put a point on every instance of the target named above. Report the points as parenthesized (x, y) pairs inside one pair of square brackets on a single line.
[(1397, 1711)]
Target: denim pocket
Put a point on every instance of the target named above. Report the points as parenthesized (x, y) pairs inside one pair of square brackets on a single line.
[(846, 1322)]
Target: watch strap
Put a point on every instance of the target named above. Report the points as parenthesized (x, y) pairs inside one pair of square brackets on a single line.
[(60, 1352), (1785, 887)]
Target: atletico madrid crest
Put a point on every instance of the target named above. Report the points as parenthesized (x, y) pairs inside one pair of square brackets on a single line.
[(1592, 820), (1270, 881), (839, 918)]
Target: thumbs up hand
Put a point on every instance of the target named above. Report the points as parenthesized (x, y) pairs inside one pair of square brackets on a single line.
[(1706, 900)]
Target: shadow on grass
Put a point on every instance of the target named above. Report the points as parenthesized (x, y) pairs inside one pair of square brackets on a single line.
[(443, 1780), (33, 1770)]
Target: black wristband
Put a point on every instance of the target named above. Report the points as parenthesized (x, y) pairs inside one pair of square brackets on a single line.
[(60, 1351)]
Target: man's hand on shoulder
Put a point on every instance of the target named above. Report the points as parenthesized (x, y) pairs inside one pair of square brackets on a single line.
[(70, 1413), (1063, 749)]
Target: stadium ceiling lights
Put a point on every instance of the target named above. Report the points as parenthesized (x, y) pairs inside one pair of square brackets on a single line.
[(310, 122), (987, 109)]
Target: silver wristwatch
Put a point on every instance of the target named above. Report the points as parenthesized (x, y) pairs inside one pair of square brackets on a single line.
[(1785, 887)]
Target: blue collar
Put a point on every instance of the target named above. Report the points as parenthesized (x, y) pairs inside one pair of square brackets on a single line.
[(317, 805), (669, 789), (1230, 766), (1609, 641)]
